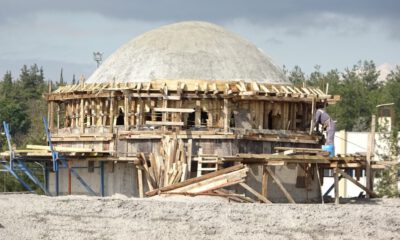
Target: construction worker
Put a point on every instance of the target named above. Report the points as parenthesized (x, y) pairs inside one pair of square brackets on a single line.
[(322, 118)]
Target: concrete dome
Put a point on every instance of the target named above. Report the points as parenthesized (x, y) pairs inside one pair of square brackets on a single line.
[(188, 51)]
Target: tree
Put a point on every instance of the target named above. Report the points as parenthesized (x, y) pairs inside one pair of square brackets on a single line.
[(7, 86), (369, 74), (32, 82), (61, 82), (297, 76), (390, 91), (12, 110)]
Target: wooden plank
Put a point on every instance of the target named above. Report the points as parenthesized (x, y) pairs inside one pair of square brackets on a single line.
[(175, 110), (264, 88), (60, 149), (164, 123), (344, 174), (255, 87), (280, 185), (215, 182), (195, 180), (255, 193)]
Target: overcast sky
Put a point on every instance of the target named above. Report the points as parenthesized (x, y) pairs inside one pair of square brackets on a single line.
[(333, 34)]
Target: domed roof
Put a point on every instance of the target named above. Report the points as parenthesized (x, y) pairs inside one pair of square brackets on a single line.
[(188, 51)]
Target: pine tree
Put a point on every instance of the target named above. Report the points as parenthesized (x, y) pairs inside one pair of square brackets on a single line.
[(61, 83), (297, 76)]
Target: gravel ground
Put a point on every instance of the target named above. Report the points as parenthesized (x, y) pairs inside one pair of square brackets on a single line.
[(24, 216)]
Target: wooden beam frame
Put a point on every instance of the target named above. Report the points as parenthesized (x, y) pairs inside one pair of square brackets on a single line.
[(255, 193), (280, 185), (345, 175)]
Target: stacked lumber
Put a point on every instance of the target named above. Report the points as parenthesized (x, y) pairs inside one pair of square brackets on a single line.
[(60, 149), (299, 151), (167, 166), (208, 183)]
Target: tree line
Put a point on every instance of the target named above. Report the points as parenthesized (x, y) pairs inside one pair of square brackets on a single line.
[(360, 88)]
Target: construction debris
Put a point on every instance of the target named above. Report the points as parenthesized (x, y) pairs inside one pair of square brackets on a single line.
[(168, 166)]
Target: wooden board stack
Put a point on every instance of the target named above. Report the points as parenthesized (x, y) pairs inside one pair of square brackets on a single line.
[(210, 184), (168, 166)]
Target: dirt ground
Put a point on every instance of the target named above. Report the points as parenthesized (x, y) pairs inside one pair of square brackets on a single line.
[(24, 216)]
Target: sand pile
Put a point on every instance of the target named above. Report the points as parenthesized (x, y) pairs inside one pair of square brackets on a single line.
[(38, 217)]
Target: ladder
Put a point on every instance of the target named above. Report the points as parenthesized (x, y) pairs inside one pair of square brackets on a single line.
[(206, 163)]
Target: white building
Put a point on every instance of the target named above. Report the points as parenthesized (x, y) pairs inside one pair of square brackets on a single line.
[(356, 142)]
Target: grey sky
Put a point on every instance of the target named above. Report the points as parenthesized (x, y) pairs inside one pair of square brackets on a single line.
[(334, 34)]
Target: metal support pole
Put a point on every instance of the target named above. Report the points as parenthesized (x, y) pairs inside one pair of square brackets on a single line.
[(56, 178), (11, 171), (46, 177), (57, 158), (102, 178), (31, 176)]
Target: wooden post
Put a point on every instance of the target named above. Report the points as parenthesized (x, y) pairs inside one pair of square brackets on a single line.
[(58, 115), (93, 112), (319, 182), (140, 181), (313, 110), (103, 112), (336, 183), (138, 112), (67, 120), (164, 114), (197, 117), (132, 112), (111, 113), (82, 117), (73, 119), (126, 111), (370, 152), (50, 114), (226, 115), (87, 114), (264, 190), (261, 114), (189, 155)]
